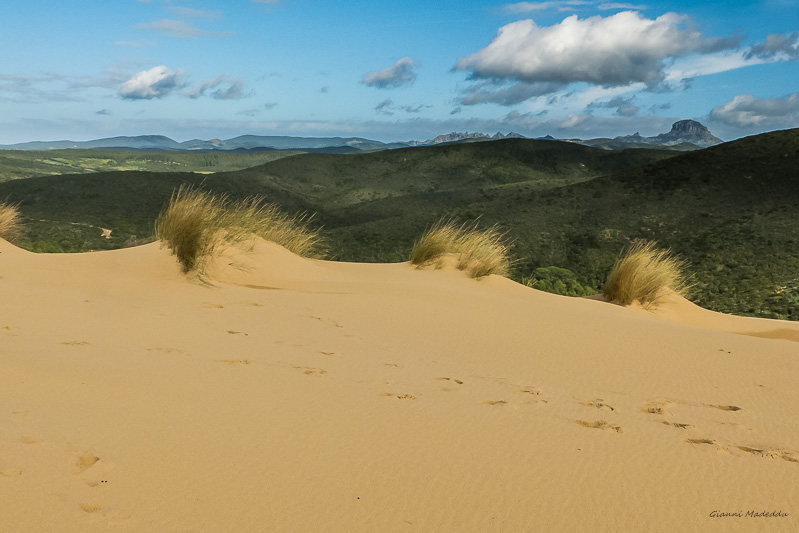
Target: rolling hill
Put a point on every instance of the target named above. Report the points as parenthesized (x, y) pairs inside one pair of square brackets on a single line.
[(728, 209)]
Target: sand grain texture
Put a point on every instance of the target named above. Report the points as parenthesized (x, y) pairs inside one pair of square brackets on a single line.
[(300, 395)]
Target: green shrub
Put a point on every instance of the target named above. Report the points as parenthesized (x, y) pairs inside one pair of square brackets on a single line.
[(558, 281)]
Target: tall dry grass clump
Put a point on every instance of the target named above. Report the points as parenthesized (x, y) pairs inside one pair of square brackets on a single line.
[(480, 252), (10, 222), (644, 273), (196, 223)]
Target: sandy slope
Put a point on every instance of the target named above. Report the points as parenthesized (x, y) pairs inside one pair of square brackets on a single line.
[(298, 395)]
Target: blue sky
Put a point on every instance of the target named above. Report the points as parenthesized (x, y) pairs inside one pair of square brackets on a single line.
[(85, 69)]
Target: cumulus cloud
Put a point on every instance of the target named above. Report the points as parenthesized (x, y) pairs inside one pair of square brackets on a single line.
[(402, 73), (178, 28), (777, 47), (227, 88), (157, 82), (617, 50), (746, 111), (498, 92)]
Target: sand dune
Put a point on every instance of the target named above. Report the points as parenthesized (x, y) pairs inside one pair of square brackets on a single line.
[(299, 395)]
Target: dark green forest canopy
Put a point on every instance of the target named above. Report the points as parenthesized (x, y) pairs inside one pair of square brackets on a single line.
[(729, 210)]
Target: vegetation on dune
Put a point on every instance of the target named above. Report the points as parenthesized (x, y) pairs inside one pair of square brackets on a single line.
[(10, 222), (480, 252), (645, 274), (196, 223), (568, 209)]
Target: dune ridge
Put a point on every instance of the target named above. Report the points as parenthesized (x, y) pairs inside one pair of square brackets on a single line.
[(293, 394)]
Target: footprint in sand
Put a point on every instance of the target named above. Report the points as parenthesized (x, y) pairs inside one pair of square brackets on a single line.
[(493, 402), (13, 472), (716, 446), (84, 462), (74, 343), (9, 330), (675, 424), (231, 332), (398, 396), (659, 406), (726, 407), (234, 362), (597, 403), (90, 468), (90, 507), (785, 455), (29, 440), (459, 382), (600, 424), (700, 441), (309, 371)]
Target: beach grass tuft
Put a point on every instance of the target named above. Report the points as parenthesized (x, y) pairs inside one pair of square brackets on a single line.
[(10, 222), (196, 223), (645, 273), (480, 252)]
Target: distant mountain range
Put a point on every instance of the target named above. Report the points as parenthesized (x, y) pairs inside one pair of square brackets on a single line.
[(684, 135)]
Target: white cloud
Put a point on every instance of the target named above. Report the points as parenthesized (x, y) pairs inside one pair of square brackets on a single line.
[(747, 111), (613, 5), (403, 72), (617, 50), (567, 5), (384, 107), (624, 106), (491, 91), (528, 7), (777, 47), (157, 82), (695, 65), (227, 88), (178, 28)]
